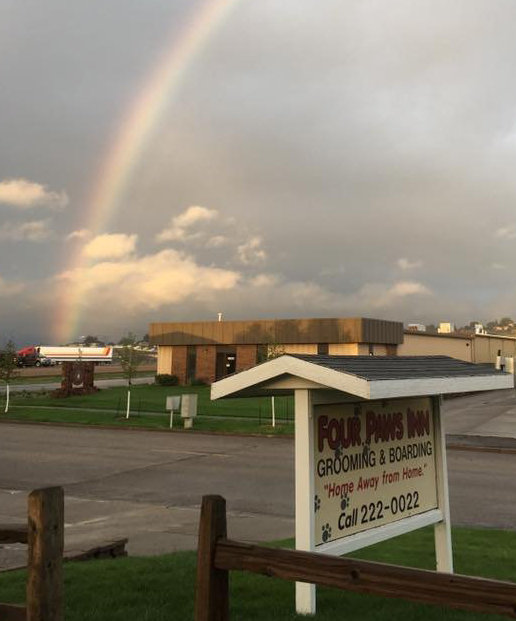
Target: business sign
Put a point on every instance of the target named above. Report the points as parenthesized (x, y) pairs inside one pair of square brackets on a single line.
[(374, 464)]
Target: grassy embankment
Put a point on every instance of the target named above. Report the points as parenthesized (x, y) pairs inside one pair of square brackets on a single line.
[(162, 588), (107, 407)]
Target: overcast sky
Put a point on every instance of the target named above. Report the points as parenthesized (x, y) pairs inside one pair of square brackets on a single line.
[(331, 158)]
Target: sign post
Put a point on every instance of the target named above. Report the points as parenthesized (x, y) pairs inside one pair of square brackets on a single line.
[(305, 531)]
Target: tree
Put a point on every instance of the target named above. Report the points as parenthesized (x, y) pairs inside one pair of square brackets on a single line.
[(274, 350), (130, 339), (130, 359), (8, 368), (88, 340)]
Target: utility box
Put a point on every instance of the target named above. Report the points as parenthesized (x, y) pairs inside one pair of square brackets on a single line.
[(189, 406), (173, 403)]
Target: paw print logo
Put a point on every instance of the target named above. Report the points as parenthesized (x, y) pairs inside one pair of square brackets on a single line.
[(317, 503), (344, 503), (326, 532), (338, 453), (366, 448)]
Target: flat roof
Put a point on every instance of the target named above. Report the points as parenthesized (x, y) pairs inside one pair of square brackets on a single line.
[(365, 377), (282, 331)]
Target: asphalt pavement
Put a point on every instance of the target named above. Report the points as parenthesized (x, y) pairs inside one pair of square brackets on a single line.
[(486, 418), (148, 485)]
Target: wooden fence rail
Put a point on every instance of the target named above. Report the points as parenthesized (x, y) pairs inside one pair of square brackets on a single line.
[(44, 533), (218, 555)]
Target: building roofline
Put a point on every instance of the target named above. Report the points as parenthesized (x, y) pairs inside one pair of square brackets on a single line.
[(497, 336), (451, 335)]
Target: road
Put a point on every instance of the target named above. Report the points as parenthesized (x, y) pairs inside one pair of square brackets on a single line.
[(100, 383), (148, 485), (100, 368)]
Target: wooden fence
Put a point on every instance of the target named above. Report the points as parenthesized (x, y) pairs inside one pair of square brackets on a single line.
[(44, 534), (218, 555)]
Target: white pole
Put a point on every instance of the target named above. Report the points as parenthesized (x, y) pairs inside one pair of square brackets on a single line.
[(442, 530), (273, 412), (304, 485), (171, 417), (128, 403), (7, 398)]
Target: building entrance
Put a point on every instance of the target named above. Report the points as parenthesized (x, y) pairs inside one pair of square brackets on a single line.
[(226, 363)]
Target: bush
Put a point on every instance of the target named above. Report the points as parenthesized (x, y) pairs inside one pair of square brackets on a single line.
[(165, 379), (198, 381)]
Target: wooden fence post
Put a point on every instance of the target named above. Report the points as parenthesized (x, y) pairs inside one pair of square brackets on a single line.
[(212, 594), (45, 562)]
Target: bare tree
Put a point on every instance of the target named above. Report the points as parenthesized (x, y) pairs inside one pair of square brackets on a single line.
[(130, 360), (8, 368)]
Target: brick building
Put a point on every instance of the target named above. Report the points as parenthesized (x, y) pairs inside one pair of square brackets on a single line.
[(210, 350)]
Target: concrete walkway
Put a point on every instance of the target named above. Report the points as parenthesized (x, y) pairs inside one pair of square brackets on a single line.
[(487, 418)]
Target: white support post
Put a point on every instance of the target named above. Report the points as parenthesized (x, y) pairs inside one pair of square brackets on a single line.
[(273, 412), (442, 530), (305, 517)]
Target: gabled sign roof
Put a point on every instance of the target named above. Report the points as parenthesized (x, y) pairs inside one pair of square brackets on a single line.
[(365, 377)]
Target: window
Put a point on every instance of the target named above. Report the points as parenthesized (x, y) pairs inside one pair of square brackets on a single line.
[(323, 349)]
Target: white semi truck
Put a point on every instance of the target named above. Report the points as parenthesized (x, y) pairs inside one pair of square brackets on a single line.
[(45, 355)]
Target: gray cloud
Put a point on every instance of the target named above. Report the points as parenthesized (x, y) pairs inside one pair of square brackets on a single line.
[(370, 146), (33, 231)]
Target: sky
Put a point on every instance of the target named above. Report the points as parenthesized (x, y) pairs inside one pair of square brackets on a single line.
[(169, 160)]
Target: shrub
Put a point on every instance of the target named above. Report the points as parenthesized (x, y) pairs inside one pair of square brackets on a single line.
[(198, 381), (165, 379)]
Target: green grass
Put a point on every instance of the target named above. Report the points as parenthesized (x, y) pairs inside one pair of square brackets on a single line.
[(88, 417), (162, 588), (151, 398)]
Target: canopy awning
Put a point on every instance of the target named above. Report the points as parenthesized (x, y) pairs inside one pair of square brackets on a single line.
[(363, 377)]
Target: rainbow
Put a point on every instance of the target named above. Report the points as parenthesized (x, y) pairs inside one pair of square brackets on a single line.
[(137, 126)]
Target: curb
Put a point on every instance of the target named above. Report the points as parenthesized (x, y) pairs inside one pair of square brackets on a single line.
[(485, 444), (8, 421), (480, 444)]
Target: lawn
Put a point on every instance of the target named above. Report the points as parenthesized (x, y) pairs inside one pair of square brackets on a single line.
[(227, 424), (151, 398), (162, 588)]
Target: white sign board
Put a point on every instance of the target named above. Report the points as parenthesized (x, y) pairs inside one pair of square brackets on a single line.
[(367, 472), (173, 402), (374, 463)]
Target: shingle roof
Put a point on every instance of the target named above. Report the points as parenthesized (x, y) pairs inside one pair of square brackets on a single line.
[(399, 367)]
